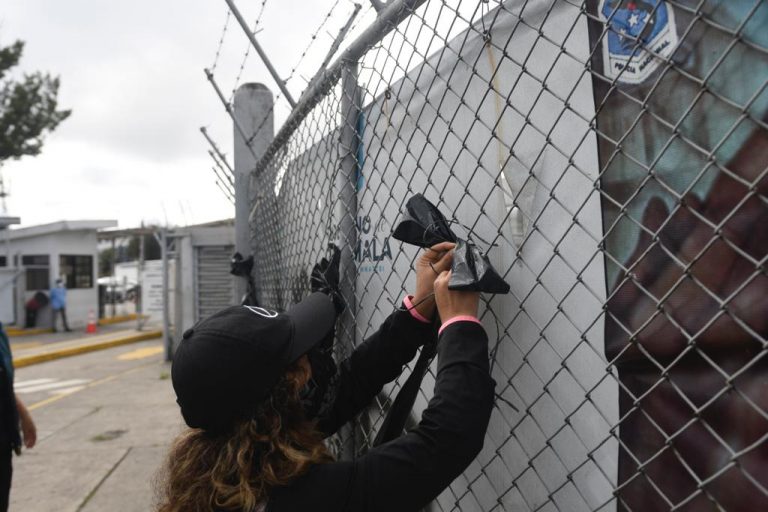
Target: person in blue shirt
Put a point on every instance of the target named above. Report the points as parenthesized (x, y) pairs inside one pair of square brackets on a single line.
[(59, 304)]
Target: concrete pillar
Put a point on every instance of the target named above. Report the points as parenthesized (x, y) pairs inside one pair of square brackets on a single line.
[(186, 310), (253, 106)]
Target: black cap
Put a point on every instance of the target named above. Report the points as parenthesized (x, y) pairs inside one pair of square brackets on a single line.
[(229, 362)]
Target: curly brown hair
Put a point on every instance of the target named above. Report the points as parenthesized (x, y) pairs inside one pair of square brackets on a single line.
[(235, 471)]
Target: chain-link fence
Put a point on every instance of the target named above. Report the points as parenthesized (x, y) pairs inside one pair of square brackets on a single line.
[(610, 157)]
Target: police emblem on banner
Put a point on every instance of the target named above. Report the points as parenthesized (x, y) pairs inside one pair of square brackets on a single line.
[(641, 35)]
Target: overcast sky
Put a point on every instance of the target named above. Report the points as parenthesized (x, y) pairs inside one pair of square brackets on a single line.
[(132, 73)]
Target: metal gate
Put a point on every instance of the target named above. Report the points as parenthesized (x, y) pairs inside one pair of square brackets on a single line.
[(214, 283)]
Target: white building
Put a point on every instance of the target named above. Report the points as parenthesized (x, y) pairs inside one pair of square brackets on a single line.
[(32, 258)]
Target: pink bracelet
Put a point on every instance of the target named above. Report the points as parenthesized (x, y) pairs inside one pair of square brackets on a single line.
[(410, 307), (460, 318)]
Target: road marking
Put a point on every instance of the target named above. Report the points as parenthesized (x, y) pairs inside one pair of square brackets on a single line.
[(51, 385), (56, 398), (140, 353), (32, 382), (67, 391)]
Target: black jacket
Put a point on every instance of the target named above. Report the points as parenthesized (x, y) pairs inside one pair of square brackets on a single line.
[(10, 437), (407, 473)]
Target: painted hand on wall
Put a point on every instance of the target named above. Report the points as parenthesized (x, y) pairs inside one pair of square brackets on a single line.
[(704, 404), (675, 288)]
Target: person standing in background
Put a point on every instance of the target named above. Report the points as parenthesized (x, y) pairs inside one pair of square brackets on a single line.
[(59, 304), (33, 306), (13, 414)]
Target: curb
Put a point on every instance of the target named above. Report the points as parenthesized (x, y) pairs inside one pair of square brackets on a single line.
[(15, 333), (23, 361), (118, 319)]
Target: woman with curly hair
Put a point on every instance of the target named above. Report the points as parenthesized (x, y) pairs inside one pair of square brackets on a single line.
[(260, 391)]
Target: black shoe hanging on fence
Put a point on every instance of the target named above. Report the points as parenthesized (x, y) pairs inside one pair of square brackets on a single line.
[(325, 277)]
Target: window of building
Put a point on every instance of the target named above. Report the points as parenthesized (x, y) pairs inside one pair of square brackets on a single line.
[(77, 270), (38, 271), (3, 261)]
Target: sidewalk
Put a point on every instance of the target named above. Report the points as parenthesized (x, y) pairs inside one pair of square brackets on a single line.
[(101, 444), (29, 350)]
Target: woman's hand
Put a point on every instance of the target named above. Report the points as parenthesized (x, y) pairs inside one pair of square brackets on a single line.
[(429, 265), (453, 303), (28, 429)]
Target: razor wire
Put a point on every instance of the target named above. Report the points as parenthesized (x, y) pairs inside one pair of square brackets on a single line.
[(247, 53), (610, 157), (312, 40), (220, 45)]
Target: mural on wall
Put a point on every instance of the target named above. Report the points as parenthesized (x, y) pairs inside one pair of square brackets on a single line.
[(683, 148)]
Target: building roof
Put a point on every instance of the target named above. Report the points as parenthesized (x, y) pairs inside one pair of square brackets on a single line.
[(6, 221), (61, 226), (214, 224), (110, 234)]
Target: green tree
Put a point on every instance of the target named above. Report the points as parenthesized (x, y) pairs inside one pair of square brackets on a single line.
[(106, 259), (152, 249), (28, 107)]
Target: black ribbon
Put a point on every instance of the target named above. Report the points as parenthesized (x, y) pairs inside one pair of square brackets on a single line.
[(423, 225), (394, 423)]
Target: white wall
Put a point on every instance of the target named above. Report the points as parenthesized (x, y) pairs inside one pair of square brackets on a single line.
[(557, 290), (126, 272)]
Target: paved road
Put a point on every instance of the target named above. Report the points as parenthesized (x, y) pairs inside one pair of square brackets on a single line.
[(104, 423)]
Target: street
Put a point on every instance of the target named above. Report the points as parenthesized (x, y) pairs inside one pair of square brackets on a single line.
[(104, 421)]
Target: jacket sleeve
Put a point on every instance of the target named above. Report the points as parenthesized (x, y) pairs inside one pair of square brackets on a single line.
[(9, 422), (407, 473), (375, 362)]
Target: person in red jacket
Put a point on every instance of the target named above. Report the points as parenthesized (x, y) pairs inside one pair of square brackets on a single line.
[(260, 391)]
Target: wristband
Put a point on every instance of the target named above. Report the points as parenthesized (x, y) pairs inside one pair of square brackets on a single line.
[(412, 309), (460, 318)]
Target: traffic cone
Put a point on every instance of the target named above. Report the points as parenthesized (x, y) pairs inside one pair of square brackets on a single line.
[(91, 327)]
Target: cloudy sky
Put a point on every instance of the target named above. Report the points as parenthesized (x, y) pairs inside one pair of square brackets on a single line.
[(132, 73)]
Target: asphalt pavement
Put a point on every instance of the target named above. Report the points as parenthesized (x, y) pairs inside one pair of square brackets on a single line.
[(104, 420)]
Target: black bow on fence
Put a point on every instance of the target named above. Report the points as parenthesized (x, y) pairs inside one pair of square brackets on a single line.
[(422, 224)]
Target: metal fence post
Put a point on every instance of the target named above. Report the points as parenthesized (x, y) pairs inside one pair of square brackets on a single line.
[(346, 183), (140, 280), (253, 105), (167, 336)]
